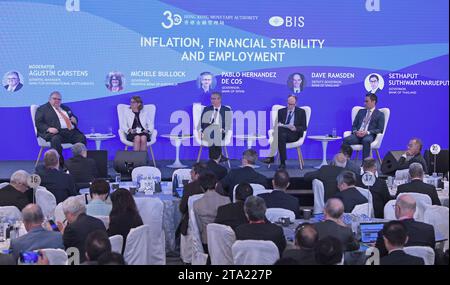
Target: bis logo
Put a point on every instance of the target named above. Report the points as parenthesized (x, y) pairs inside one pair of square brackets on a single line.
[(171, 20), (287, 21)]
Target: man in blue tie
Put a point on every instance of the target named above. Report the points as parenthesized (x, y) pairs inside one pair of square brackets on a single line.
[(291, 124)]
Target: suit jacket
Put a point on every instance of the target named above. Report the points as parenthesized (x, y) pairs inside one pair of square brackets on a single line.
[(418, 186), (240, 175), (76, 233), (404, 164), (299, 119), (190, 189), (376, 124), (219, 170), (280, 199), (9, 196), (59, 183), (304, 256), (37, 238), (380, 195), (18, 87), (205, 210), (344, 234), (225, 113), (350, 198), (46, 117), (419, 234), (83, 170), (122, 224), (267, 231), (144, 117), (327, 174), (399, 257), (232, 215)]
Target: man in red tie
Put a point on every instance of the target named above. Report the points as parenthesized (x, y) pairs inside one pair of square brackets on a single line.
[(57, 124)]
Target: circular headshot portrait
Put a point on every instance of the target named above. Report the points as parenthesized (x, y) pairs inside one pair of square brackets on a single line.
[(374, 83), (115, 81), (206, 82), (295, 82), (12, 81)]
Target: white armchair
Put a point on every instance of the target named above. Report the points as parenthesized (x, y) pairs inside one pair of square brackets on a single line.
[(297, 144), (376, 144), (121, 108), (197, 110), (40, 141)]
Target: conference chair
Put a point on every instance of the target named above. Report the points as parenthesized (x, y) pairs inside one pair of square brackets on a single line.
[(121, 108), (104, 219), (199, 257), (182, 174), (47, 201), (319, 196), (3, 184), (297, 144), (186, 240), (423, 201), (274, 214), (376, 144), (257, 189), (220, 241), (56, 256), (11, 212), (40, 141), (366, 193), (116, 243), (438, 217), (197, 110), (59, 214), (254, 252), (425, 252), (137, 249), (389, 210)]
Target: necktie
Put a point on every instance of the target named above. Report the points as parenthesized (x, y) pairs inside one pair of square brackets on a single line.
[(366, 120), (213, 119), (66, 119), (288, 120)]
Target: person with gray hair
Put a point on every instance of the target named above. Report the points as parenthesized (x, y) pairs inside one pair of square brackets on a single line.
[(244, 174), (417, 185), (83, 169), (412, 155), (16, 192), (13, 80), (37, 236), (349, 195), (56, 181), (79, 225), (334, 226), (258, 228), (419, 234)]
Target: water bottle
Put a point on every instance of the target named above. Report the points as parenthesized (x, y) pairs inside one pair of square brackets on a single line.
[(333, 133), (175, 185), (138, 181)]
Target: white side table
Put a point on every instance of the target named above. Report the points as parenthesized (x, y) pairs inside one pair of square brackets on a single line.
[(98, 138), (177, 139), (324, 140)]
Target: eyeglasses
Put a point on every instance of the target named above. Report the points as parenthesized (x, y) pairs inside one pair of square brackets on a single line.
[(56, 99), (13, 78), (133, 102), (373, 81)]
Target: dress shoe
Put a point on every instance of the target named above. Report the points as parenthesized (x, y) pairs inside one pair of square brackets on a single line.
[(268, 160), (282, 166), (223, 159)]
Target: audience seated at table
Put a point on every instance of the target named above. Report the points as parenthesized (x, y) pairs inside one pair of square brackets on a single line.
[(97, 244), (329, 251), (350, 164), (349, 195), (278, 198), (213, 163), (258, 227), (417, 185), (99, 192), (59, 183), (412, 155), (233, 214), (306, 239), (82, 168), (16, 193), (334, 226), (419, 234)]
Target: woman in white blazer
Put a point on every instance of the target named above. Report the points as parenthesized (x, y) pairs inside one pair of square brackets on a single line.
[(137, 124)]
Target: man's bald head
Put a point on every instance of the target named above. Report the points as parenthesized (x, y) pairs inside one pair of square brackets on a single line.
[(32, 215), (405, 206), (340, 160), (334, 208)]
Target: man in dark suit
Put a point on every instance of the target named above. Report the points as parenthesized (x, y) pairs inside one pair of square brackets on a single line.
[(213, 163), (350, 165), (328, 174), (59, 183), (258, 228), (13, 80), (246, 173), (379, 190), (278, 198), (348, 194), (233, 214), (295, 83), (83, 169), (419, 234), (290, 126), (412, 154), (215, 122), (79, 225), (335, 227), (367, 124), (37, 237), (374, 83), (306, 239), (14, 193), (395, 237), (189, 190), (417, 185), (57, 124)]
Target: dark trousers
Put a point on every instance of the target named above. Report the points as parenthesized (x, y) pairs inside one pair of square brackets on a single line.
[(65, 136), (285, 136), (215, 140), (365, 141)]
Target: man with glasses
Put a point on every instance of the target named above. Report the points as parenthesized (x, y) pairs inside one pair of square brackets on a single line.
[(290, 126), (13, 80), (57, 124), (374, 81)]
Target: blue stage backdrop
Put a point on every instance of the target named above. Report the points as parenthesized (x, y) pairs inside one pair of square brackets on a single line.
[(159, 49)]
